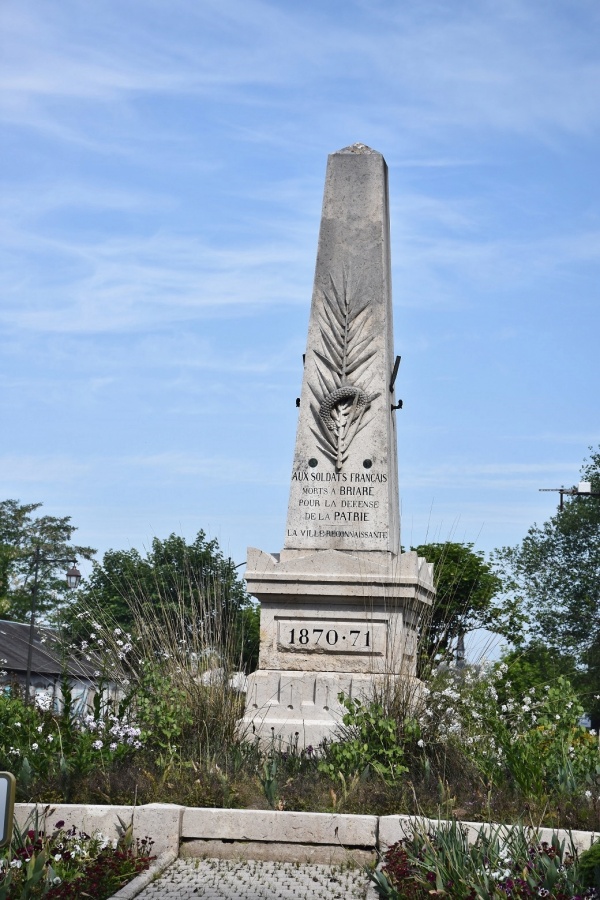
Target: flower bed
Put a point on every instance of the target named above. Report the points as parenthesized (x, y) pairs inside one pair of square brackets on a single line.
[(500, 863), (64, 864)]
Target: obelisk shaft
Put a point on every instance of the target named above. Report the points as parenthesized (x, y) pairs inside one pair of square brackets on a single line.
[(344, 490)]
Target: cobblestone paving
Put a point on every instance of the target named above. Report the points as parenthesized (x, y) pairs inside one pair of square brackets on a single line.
[(218, 879)]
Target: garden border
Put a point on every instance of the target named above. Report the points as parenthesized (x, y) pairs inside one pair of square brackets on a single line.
[(252, 833)]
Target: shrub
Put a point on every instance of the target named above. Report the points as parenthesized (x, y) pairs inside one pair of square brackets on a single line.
[(368, 740), (589, 864), (533, 741)]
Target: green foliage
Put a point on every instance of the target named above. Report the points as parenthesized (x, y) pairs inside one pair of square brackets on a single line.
[(171, 577), (466, 587), (535, 666), (269, 781), (555, 574), (589, 866), (161, 709), (47, 745), (501, 861), (21, 535), (369, 740), (533, 740), (61, 864)]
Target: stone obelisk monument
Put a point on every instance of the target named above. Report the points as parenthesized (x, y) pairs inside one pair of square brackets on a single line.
[(340, 605)]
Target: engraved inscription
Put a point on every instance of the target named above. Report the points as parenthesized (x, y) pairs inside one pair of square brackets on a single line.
[(331, 636), (331, 501)]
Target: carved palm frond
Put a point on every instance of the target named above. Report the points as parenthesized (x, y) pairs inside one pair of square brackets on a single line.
[(342, 362)]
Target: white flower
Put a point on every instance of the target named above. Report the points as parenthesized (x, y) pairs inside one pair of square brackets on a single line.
[(43, 701), (588, 794), (34, 746), (40, 728), (57, 857), (57, 880), (50, 738), (17, 724), (16, 864), (420, 743), (557, 717), (98, 745), (113, 746)]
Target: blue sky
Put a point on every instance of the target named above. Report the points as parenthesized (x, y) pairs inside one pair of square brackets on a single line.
[(162, 176)]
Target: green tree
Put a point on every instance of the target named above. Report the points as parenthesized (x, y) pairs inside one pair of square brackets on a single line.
[(536, 665), (166, 578), (21, 535), (555, 573), (466, 588)]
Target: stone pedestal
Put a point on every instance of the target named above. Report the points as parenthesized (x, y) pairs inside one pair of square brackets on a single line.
[(331, 621), (340, 605)]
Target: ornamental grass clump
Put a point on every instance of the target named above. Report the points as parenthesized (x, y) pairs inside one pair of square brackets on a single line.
[(63, 864), (173, 674), (500, 862)]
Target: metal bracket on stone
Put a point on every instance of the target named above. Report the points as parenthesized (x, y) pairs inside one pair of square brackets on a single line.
[(394, 373)]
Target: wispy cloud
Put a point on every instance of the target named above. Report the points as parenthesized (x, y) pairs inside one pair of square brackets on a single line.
[(509, 67)]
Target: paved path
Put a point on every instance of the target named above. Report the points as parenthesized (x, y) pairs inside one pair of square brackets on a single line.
[(219, 879)]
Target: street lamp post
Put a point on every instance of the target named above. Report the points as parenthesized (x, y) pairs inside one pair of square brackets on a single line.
[(73, 579)]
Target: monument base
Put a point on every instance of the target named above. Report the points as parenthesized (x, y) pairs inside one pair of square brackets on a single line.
[(302, 708), (331, 622)]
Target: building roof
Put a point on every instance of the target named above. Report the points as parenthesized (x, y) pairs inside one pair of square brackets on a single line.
[(47, 657)]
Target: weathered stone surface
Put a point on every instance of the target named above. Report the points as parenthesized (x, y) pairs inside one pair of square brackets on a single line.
[(84, 817), (395, 828), (344, 491), (340, 605), (161, 822), (325, 854), (280, 827), (303, 707)]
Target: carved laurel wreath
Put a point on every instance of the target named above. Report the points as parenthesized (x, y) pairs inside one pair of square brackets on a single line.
[(341, 398)]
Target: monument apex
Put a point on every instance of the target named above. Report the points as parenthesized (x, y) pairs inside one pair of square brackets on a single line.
[(346, 437)]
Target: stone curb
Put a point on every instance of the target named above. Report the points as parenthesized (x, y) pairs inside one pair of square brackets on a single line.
[(280, 827), (394, 828), (137, 885), (170, 824)]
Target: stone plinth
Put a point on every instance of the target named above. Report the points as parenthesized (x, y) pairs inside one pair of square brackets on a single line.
[(331, 621)]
